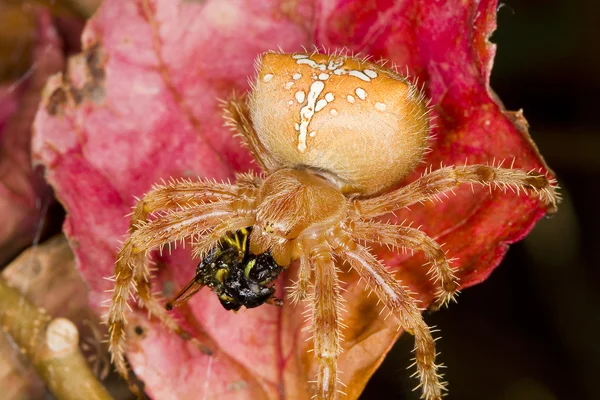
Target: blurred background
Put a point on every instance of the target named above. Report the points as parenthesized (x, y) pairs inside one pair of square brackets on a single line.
[(531, 330)]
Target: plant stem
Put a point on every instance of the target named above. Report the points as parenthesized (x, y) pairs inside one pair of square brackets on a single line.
[(51, 345)]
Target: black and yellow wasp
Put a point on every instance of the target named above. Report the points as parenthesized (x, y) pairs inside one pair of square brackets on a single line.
[(236, 276)]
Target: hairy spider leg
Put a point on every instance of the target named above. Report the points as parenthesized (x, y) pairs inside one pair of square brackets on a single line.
[(401, 305), (434, 183), (179, 194), (413, 239), (237, 117), (183, 216), (326, 322), (206, 242), (431, 184), (176, 195)]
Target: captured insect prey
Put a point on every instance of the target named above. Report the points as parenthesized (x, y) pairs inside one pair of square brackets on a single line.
[(236, 276)]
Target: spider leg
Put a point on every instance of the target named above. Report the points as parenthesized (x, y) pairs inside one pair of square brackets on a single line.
[(206, 242), (301, 288), (177, 194), (326, 321), (237, 117), (397, 299), (430, 185), (413, 239), (131, 271), (203, 244)]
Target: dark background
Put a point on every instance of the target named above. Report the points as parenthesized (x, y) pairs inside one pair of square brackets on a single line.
[(530, 332)]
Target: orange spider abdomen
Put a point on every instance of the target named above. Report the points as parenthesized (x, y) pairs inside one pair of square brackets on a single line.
[(363, 126)]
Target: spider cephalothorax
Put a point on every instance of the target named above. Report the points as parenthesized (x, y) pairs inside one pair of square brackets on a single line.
[(332, 135)]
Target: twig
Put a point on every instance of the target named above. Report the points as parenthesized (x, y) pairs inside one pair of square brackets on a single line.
[(51, 345)]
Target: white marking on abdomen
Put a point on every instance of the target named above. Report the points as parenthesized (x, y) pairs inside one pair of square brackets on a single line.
[(320, 105), (359, 75), (362, 75), (360, 92), (370, 73), (311, 63), (300, 96), (307, 112)]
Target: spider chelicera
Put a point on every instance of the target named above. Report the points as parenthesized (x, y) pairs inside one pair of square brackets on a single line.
[(332, 134)]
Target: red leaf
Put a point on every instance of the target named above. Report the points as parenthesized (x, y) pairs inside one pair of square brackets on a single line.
[(140, 104)]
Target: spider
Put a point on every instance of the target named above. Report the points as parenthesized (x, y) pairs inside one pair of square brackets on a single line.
[(333, 135)]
